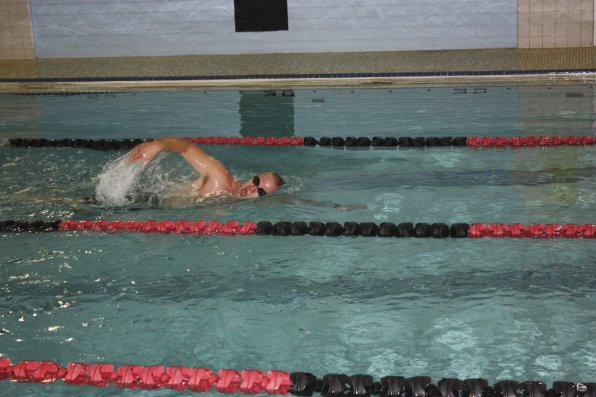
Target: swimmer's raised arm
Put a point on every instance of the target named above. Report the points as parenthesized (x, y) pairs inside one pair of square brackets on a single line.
[(215, 176), (196, 157)]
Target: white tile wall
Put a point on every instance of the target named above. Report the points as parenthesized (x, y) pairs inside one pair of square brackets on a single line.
[(72, 28)]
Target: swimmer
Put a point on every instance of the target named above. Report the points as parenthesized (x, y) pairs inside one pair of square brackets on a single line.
[(215, 178), (117, 184)]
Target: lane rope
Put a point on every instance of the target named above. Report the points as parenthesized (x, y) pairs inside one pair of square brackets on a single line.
[(329, 229), (337, 142), (252, 381)]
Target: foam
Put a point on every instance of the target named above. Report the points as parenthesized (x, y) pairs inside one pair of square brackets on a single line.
[(117, 182)]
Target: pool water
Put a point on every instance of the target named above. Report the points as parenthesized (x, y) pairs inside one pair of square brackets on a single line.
[(498, 309)]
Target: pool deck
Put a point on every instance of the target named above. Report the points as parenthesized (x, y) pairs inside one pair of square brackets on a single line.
[(550, 65)]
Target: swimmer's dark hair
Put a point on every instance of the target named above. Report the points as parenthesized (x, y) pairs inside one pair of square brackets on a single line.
[(278, 179)]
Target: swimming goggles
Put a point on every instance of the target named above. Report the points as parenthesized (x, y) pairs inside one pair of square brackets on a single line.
[(257, 181)]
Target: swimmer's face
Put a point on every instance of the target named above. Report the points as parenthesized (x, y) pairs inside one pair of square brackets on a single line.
[(259, 185)]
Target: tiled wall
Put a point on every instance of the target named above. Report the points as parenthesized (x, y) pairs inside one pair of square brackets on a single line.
[(555, 23), (73, 28), (16, 36)]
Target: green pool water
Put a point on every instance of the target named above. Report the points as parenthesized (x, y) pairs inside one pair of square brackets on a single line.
[(497, 309)]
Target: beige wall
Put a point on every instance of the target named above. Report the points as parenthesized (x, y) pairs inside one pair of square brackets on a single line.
[(16, 35), (555, 23)]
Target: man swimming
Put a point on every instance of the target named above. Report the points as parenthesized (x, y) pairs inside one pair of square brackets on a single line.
[(215, 178)]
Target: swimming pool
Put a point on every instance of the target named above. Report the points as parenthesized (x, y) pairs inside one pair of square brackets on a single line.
[(497, 309)]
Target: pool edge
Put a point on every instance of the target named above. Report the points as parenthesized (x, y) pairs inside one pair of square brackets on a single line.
[(33, 87)]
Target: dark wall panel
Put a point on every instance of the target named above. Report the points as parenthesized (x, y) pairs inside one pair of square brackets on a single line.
[(261, 15)]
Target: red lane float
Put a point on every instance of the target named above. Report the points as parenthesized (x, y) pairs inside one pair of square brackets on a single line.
[(151, 377), (230, 228), (248, 141), (476, 141), (534, 230), (519, 141), (233, 228), (325, 141), (253, 381)]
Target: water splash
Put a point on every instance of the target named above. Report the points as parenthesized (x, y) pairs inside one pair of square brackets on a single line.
[(121, 183), (118, 182)]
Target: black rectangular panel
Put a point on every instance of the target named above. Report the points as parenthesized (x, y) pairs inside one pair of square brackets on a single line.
[(261, 15)]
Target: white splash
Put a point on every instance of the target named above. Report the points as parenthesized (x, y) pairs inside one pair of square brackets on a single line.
[(55, 328), (117, 181)]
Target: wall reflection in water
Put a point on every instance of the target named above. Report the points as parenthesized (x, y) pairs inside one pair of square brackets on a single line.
[(19, 116), (267, 113), (556, 110)]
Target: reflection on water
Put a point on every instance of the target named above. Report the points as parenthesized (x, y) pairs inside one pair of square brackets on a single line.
[(19, 116), (435, 111), (470, 178), (267, 113)]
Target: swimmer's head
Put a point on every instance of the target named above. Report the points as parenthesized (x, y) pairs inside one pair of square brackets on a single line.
[(261, 185)]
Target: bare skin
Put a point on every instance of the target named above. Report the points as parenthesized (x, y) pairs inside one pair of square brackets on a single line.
[(215, 178)]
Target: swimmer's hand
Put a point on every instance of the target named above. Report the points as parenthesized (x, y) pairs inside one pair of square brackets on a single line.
[(145, 152)]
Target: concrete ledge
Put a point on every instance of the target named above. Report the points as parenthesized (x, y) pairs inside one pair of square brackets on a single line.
[(108, 86)]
